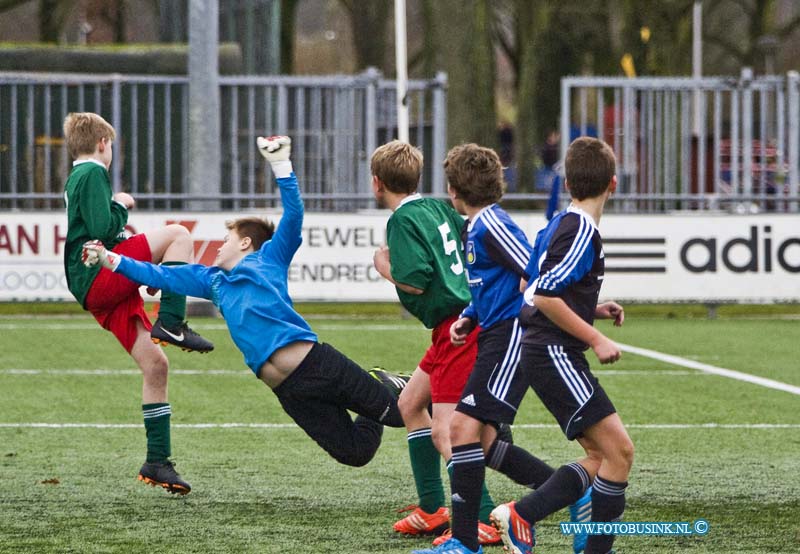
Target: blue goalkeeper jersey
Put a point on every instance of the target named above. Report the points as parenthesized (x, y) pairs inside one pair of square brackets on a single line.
[(496, 252), (253, 297)]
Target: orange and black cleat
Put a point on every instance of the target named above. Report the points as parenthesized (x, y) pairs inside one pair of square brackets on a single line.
[(182, 336), (163, 474), (419, 522)]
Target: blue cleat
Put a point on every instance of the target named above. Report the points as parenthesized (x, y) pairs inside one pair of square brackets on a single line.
[(453, 546), (581, 512), (519, 536)]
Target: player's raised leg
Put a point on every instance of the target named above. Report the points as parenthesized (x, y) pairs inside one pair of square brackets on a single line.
[(172, 245)]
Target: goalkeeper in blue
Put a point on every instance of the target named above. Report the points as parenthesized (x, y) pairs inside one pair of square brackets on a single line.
[(315, 383)]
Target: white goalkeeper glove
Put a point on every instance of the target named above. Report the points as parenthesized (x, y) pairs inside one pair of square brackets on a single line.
[(94, 252), (276, 151)]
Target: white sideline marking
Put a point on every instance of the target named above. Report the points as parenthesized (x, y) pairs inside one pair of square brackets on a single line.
[(729, 373), (112, 372), (247, 372), (213, 327), (293, 426)]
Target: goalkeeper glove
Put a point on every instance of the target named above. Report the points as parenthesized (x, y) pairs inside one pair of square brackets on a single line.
[(276, 151), (94, 252)]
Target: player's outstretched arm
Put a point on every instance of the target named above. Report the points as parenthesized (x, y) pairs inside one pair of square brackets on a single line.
[(188, 280), (287, 238)]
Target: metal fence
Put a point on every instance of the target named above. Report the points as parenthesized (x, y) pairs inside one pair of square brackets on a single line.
[(335, 123), (713, 143)]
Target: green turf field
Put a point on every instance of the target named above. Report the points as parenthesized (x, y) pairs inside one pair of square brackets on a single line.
[(71, 441)]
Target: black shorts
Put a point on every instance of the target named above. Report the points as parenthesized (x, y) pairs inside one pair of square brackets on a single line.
[(495, 387), (562, 380)]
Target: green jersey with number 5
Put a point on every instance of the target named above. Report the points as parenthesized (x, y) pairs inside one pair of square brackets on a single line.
[(424, 239)]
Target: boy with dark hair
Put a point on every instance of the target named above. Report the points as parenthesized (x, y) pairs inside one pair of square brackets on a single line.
[(497, 252), (423, 261), (566, 272), (314, 382), (94, 212)]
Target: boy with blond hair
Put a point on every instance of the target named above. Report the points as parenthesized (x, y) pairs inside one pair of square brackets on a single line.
[(423, 260), (95, 213)]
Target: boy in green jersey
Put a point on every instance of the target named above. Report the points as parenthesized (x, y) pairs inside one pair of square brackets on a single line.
[(95, 213), (423, 260)]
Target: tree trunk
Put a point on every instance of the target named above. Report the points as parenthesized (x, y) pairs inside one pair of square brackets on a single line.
[(526, 134), (49, 21), (369, 23), (467, 55), (288, 19)]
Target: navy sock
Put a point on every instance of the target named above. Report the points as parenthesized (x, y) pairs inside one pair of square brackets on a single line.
[(469, 470), (608, 504), (518, 464), (564, 487)]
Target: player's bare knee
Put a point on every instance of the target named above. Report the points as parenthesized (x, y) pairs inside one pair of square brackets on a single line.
[(179, 235), (407, 406), (626, 451), (155, 368), (440, 434)]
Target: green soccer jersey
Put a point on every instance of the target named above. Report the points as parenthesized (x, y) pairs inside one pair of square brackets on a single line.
[(92, 215), (424, 239)]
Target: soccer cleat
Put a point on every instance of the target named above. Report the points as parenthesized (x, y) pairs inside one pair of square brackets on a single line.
[(518, 535), (163, 474), (504, 433), (182, 336), (451, 546), (422, 523), (581, 512), (486, 535), (393, 381)]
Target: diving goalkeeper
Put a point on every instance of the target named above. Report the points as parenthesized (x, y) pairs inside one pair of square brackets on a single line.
[(314, 382)]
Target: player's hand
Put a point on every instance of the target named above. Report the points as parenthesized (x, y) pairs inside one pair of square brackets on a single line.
[(275, 149), (606, 350), (94, 252), (460, 329), (125, 199), (610, 310), (382, 262)]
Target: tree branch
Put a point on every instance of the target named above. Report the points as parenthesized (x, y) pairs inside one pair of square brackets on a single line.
[(11, 4), (789, 28), (727, 45)]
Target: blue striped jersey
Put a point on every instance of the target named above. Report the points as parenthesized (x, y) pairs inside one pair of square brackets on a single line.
[(567, 262), (496, 251), (253, 296)]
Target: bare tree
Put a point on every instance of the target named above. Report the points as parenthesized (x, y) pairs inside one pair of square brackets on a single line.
[(744, 28), (369, 23)]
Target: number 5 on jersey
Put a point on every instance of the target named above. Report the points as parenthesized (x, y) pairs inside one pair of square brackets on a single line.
[(450, 248)]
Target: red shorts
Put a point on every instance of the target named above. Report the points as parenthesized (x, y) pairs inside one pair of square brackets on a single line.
[(448, 365), (114, 300)]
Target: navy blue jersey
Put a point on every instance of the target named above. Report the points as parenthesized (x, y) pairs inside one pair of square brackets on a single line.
[(253, 296), (497, 252), (567, 262)]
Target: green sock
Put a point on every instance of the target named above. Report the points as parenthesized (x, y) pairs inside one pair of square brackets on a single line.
[(172, 310), (487, 504), (426, 468), (156, 425)]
